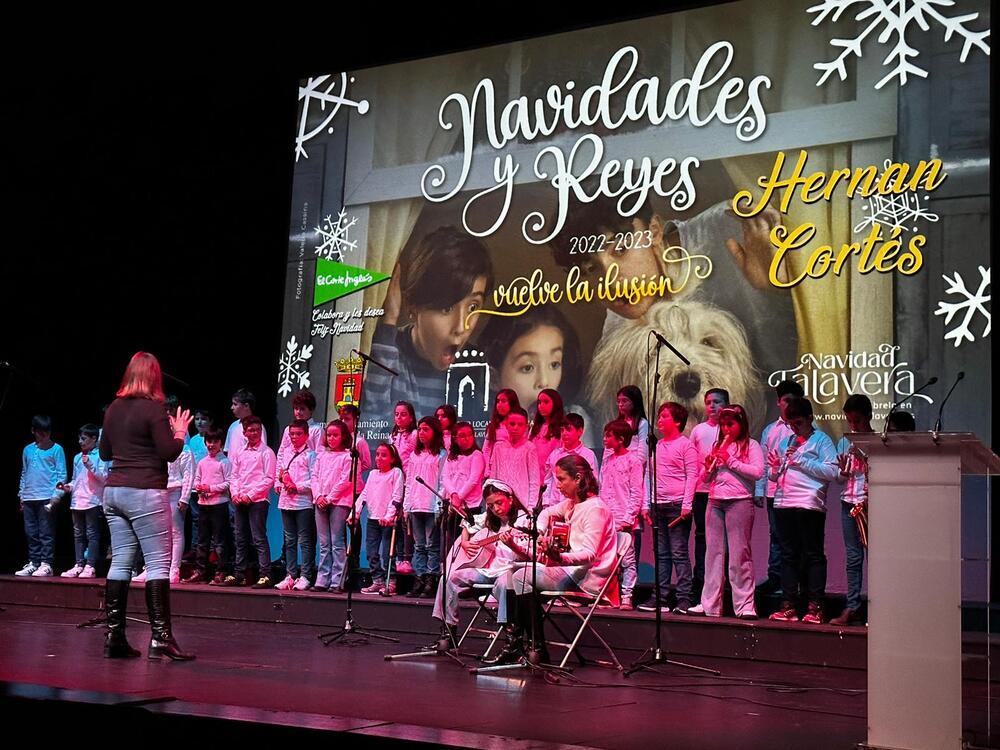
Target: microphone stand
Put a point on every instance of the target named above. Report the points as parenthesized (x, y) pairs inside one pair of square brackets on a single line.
[(533, 656), (656, 654), (101, 618), (937, 423), (885, 424), (354, 548), (530, 660), (446, 645)]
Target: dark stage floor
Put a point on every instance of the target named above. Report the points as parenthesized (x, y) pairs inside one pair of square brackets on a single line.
[(288, 677), (263, 676)]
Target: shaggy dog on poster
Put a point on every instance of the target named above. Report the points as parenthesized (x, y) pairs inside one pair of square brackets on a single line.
[(714, 341)]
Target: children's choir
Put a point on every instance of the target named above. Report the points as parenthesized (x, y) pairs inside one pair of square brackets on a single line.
[(708, 479)]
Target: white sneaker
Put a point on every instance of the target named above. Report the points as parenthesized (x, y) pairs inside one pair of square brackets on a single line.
[(73, 572), (699, 611), (141, 578), (301, 584), (286, 584), (28, 569), (44, 571), (87, 572)]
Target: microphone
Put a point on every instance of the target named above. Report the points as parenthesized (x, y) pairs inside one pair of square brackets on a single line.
[(374, 361), (885, 425), (663, 342), (538, 505), (937, 424)]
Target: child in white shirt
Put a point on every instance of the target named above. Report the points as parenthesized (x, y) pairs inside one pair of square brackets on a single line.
[(87, 485)]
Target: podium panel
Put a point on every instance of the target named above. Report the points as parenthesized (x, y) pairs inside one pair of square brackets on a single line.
[(915, 586)]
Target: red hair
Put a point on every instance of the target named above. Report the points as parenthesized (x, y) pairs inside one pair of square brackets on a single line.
[(143, 378)]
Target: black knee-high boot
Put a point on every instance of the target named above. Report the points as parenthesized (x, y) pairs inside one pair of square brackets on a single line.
[(116, 645), (162, 642), (514, 631)]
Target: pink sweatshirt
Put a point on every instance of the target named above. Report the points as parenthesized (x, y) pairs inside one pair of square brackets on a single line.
[(677, 471)]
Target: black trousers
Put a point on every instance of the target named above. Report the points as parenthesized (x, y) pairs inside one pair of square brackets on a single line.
[(803, 559)]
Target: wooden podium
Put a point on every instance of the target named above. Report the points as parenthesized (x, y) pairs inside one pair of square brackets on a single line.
[(915, 584)]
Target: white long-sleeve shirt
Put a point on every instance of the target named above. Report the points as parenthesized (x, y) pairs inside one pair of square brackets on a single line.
[(383, 493), (503, 556), (677, 471), (41, 471), (364, 462), (704, 436), (517, 465), (332, 477), (803, 477), (544, 445), (771, 439), (405, 443), (488, 445), (253, 473), (180, 473), (463, 476), (213, 472), (314, 441), (427, 466), (300, 468), (593, 543), (854, 487), (552, 494), (236, 440), (738, 476), (639, 444), (88, 484), (622, 487)]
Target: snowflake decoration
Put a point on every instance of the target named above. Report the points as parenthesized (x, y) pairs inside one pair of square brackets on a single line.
[(971, 304), (334, 236), (290, 367), (311, 93), (895, 211), (897, 16)]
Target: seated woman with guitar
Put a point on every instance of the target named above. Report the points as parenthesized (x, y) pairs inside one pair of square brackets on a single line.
[(488, 546), (580, 558)]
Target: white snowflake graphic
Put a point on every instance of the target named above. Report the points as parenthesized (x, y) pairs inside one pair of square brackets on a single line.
[(897, 17), (897, 211), (972, 305), (290, 367), (334, 236), (312, 93)]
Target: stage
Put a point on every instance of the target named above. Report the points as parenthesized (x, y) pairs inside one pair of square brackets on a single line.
[(260, 665), (261, 672)]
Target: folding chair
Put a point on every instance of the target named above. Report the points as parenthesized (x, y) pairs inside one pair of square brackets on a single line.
[(483, 592), (591, 603)]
